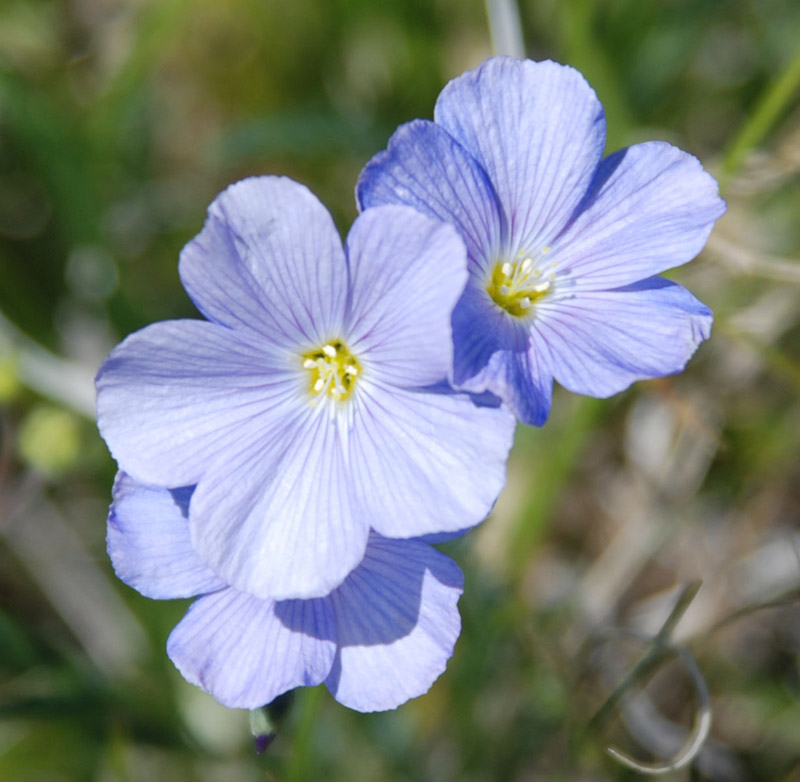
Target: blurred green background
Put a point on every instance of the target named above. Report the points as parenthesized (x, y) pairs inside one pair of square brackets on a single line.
[(120, 120)]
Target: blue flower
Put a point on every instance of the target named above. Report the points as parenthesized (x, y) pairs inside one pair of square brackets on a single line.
[(382, 637), (562, 243), (307, 408)]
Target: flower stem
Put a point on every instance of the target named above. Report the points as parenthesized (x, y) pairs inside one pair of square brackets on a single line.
[(505, 28), (298, 768), (661, 648)]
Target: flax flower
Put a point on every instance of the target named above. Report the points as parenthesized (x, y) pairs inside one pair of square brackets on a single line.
[(309, 406), (563, 244)]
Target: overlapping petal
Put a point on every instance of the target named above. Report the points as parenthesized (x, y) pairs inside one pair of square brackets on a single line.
[(493, 353), (277, 511), (426, 462), (396, 624), (191, 403), (538, 131), (380, 638), (269, 260), (279, 516), (232, 645), (176, 394), (406, 274), (427, 169), (481, 329), (522, 378), (601, 342), (649, 208), (148, 542)]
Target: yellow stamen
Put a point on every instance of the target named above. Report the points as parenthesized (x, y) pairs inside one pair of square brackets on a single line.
[(516, 286), (333, 370)]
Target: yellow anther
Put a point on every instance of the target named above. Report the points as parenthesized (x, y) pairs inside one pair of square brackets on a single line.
[(333, 369), (516, 286)]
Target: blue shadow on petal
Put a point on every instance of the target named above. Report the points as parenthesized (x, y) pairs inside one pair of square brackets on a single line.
[(656, 283), (181, 497), (379, 602), (603, 173), (679, 298), (480, 331), (334, 677), (149, 544), (484, 399), (382, 601), (291, 614), (435, 538)]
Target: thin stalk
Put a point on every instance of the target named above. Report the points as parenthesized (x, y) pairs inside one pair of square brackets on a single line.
[(505, 28), (654, 656), (660, 649), (298, 769)]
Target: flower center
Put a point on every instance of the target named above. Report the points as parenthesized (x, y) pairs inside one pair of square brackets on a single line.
[(516, 286), (333, 369)]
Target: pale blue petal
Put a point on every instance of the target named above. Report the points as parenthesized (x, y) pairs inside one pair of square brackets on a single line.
[(493, 354), (234, 647), (148, 542), (529, 385), (270, 260), (650, 208), (279, 516), (538, 131), (176, 394), (426, 462), (481, 329), (426, 168), (437, 538), (601, 342), (396, 624), (522, 378), (406, 275)]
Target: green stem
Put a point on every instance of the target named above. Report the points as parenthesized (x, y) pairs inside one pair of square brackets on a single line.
[(505, 28), (655, 655), (652, 659), (298, 769)]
